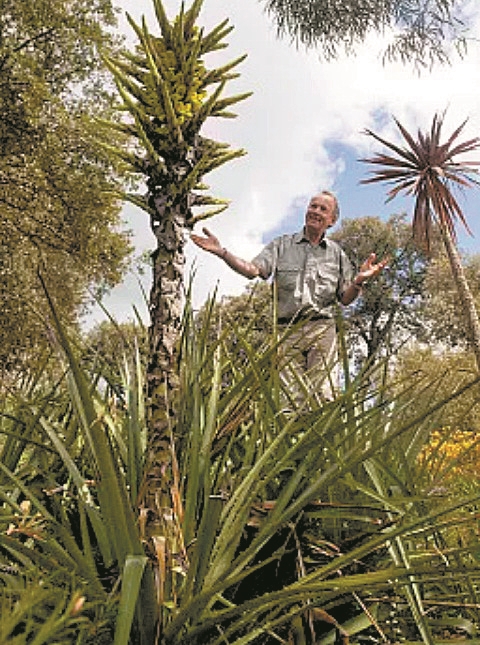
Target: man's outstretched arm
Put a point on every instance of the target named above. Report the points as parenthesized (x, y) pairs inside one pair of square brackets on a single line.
[(369, 269), (211, 244)]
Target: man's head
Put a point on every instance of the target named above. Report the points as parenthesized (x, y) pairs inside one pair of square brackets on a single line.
[(322, 210)]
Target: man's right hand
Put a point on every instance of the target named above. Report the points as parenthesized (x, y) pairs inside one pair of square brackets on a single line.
[(208, 243), (211, 244)]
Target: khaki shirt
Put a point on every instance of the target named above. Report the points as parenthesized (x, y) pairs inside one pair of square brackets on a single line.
[(309, 279)]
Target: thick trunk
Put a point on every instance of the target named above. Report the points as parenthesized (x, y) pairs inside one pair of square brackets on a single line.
[(465, 294), (166, 301)]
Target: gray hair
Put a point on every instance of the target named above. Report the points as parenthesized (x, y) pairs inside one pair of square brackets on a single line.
[(336, 206)]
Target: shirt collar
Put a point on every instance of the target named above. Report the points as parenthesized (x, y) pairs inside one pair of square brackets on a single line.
[(301, 237)]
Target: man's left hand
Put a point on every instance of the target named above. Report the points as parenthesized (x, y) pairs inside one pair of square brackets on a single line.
[(369, 269)]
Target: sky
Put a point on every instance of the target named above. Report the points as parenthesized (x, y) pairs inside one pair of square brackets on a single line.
[(303, 130)]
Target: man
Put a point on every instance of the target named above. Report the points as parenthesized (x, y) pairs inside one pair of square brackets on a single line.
[(311, 274)]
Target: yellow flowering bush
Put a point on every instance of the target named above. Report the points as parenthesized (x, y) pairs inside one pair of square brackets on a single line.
[(452, 455)]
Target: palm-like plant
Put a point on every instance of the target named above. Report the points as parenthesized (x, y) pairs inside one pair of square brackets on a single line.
[(430, 171), (168, 94)]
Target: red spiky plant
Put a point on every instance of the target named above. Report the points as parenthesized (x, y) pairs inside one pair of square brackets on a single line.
[(430, 171)]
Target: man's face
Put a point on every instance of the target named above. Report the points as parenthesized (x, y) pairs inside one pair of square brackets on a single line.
[(320, 212)]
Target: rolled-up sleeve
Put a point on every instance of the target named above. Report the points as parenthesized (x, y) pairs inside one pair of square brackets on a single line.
[(266, 259), (346, 274)]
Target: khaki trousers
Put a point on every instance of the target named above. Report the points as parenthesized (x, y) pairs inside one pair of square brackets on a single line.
[(311, 353)]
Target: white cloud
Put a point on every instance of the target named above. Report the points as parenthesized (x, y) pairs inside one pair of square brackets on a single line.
[(301, 102)]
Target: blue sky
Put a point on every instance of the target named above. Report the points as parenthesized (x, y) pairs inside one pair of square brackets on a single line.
[(361, 200), (303, 131)]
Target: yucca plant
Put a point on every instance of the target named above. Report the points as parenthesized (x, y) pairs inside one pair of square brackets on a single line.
[(285, 525), (70, 474), (167, 94), (430, 171)]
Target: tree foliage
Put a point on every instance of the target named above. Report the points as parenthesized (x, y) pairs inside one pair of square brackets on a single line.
[(444, 319), (58, 210), (390, 307), (449, 369), (419, 31), (249, 314)]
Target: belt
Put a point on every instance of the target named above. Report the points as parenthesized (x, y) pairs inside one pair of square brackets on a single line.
[(295, 319)]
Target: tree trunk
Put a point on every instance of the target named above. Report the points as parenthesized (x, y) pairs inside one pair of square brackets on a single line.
[(464, 293), (166, 302)]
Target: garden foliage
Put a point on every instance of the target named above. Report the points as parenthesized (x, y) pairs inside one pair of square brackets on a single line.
[(287, 523)]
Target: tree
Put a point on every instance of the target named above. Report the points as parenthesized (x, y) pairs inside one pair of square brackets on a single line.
[(421, 31), (248, 314), (429, 170), (169, 93), (438, 375), (444, 318), (390, 308), (59, 213)]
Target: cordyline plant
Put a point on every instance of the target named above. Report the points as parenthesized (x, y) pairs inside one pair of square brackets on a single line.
[(430, 171), (168, 94)]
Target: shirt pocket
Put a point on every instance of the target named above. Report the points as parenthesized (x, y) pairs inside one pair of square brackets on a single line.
[(287, 277), (326, 281)]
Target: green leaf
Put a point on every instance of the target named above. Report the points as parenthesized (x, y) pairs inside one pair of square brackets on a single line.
[(129, 596)]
